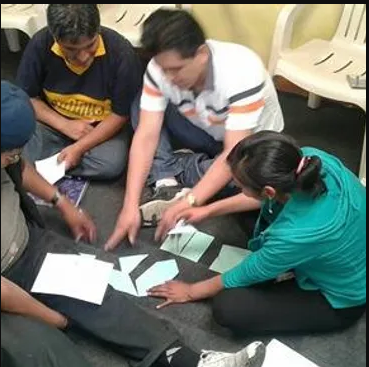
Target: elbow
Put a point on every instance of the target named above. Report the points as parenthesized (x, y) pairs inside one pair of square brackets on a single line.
[(5, 292)]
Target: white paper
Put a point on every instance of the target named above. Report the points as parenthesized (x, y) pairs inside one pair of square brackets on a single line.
[(158, 274), (73, 276), (129, 263), (50, 169), (182, 228), (122, 282), (279, 354), (87, 255)]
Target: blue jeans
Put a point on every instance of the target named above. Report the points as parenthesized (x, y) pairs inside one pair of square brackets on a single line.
[(105, 161), (179, 133)]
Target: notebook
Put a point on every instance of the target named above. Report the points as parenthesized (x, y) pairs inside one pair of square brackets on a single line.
[(72, 187)]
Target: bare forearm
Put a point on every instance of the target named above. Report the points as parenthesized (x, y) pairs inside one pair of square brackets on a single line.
[(206, 289), (219, 174), (141, 156), (235, 204), (215, 179), (47, 115), (140, 161), (34, 183), (102, 132), (15, 300)]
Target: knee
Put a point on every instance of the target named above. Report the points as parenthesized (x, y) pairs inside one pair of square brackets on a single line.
[(222, 310), (194, 168), (106, 162), (114, 167)]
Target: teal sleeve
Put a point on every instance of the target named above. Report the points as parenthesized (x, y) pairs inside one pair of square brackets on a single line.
[(272, 260)]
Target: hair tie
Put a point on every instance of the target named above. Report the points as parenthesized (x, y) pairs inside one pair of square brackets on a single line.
[(302, 165)]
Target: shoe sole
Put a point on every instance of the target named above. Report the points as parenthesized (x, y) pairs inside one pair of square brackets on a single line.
[(152, 211), (257, 353)]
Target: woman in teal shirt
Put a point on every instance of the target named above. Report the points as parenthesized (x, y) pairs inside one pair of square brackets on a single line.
[(312, 222)]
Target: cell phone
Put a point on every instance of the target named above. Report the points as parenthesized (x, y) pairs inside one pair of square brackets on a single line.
[(357, 81)]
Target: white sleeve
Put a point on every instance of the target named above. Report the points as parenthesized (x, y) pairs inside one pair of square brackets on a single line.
[(245, 108), (152, 98)]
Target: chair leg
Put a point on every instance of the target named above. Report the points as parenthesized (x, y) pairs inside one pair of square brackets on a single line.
[(362, 173), (12, 37), (314, 101)]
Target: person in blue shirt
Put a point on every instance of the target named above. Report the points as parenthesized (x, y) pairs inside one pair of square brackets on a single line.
[(312, 223), (82, 79)]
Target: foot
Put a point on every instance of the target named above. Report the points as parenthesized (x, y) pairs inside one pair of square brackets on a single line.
[(163, 198), (251, 356)]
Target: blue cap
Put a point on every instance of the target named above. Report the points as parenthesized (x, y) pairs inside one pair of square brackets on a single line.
[(18, 121)]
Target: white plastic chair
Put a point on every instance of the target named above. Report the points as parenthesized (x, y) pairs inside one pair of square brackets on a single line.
[(124, 18), (28, 18), (127, 19), (321, 67)]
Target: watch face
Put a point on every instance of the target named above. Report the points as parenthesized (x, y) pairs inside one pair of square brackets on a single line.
[(191, 199)]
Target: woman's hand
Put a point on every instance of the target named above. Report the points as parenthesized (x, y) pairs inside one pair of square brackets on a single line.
[(173, 292), (196, 215), (170, 218)]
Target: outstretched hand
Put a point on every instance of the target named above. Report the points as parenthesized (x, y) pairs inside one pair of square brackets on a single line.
[(173, 292)]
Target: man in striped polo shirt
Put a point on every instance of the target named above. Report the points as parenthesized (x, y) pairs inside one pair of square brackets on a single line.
[(199, 94)]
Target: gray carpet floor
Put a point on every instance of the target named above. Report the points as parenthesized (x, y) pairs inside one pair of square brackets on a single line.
[(335, 128)]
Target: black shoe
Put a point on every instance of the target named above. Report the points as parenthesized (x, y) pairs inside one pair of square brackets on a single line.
[(162, 198)]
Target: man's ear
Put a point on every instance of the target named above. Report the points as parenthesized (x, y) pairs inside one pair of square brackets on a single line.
[(202, 54)]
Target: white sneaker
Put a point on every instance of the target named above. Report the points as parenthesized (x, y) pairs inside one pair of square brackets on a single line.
[(164, 197), (251, 356)]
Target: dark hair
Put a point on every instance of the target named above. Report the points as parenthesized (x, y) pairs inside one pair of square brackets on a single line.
[(69, 22), (177, 30), (273, 159)]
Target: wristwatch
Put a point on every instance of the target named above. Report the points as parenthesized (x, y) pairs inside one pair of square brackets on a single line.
[(191, 199), (56, 197)]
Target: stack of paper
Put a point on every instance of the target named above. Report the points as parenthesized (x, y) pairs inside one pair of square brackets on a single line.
[(50, 169), (182, 228), (74, 276), (184, 240), (85, 278), (176, 243), (279, 354), (229, 257)]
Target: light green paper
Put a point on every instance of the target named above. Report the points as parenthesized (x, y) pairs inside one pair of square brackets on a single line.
[(229, 257), (122, 282), (197, 246), (129, 263), (158, 274), (176, 242)]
